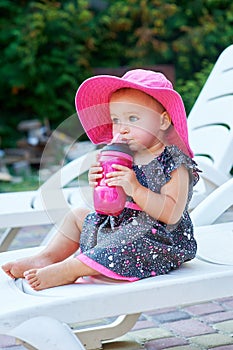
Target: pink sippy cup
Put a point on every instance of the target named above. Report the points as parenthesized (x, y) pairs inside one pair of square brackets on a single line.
[(110, 200)]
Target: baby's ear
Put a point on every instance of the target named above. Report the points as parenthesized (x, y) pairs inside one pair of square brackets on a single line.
[(165, 121)]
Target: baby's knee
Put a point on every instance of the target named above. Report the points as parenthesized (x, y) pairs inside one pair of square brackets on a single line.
[(80, 212), (77, 215)]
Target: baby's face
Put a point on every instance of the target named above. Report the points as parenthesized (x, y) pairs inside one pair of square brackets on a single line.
[(137, 118)]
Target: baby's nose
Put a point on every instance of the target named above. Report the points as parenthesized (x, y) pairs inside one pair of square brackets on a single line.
[(124, 129)]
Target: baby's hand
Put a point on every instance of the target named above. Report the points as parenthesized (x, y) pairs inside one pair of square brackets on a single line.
[(124, 177), (94, 174)]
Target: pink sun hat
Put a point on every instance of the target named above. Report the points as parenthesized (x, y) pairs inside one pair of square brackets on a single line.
[(92, 104)]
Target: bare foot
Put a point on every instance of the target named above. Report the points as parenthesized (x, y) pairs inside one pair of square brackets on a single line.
[(16, 269), (61, 273)]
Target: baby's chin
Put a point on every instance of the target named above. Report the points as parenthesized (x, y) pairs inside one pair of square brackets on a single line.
[(135, 147)]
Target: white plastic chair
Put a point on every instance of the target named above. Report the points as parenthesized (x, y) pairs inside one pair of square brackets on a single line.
[(43, 319), (210, 125), (47, 205)]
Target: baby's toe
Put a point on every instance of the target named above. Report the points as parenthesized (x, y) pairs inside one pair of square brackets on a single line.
[(30, 274)]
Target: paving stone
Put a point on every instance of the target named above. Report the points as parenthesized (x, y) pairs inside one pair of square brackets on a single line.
[(14, 347), (143, 324), (225, 327), (142, 317), (6, 341), (217, 317), (142, 336), (221, 300), (184, 347), (204, 308), (224, 347), (212, 340), (160, 311), (171, 316), (189, 328), (30, 237), (164, 343), (229, 304)]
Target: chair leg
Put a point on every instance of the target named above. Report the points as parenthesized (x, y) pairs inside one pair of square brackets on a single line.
[(7, 238), (45, 333), (92, 338)]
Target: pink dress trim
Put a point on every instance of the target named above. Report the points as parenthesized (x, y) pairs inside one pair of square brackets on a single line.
[(132, 205), (103, 270)]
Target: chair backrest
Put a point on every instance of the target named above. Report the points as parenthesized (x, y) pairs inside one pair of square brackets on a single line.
[(70, 171), (210, 121), (50, 195)]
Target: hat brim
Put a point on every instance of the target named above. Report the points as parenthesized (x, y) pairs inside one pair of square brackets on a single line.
[(92, 99)]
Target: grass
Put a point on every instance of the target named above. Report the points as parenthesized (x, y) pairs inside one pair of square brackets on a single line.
[(20, 184), (30, 183)]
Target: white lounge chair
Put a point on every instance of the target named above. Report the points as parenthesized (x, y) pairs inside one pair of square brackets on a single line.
[(210, 119), (43, 319), (48, 204), (210, 125)]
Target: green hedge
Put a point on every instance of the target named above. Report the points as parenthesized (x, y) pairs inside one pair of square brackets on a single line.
[(49, 47)]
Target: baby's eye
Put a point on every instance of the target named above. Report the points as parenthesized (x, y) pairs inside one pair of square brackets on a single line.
[(115, 120), (133, 118)]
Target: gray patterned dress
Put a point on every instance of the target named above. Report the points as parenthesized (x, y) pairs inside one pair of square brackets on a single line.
[(134, 245)]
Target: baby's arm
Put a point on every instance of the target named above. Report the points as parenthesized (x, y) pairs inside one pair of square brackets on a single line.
[(166, 206)]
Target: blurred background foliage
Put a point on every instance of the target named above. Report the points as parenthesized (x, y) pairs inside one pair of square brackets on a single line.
[(49, 47)]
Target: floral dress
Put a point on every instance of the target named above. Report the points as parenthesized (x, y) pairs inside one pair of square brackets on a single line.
[(134, 245)]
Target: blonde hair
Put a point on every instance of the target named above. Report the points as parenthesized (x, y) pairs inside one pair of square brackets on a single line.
[(154, 104)]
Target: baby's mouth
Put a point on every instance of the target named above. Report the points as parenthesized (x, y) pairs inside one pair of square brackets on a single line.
[(126, 140)]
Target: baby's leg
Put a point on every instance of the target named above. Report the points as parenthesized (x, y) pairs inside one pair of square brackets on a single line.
[(61, 273), (64, 244)]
